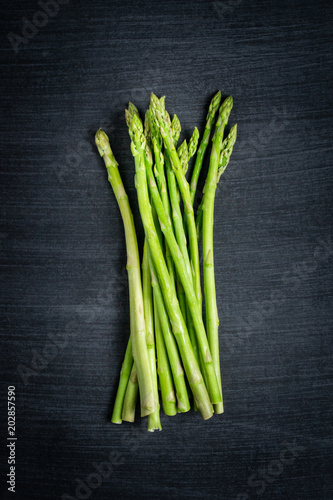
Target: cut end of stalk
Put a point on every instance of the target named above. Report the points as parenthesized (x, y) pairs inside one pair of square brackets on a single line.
[(170, 408), (206, 411), (129, 417), (116, 420), (154, 422), (153, 429), (183, 407), (219, 408)]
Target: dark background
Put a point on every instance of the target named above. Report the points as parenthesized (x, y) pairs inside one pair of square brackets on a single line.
[(63, 250)]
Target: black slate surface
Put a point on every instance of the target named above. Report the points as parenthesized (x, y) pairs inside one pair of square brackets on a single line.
[(63, 251)]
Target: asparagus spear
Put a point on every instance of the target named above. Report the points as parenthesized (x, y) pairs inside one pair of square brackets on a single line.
[(154, 422), (193, 143), (193, 301), (175, 129), (128, 412), (176, 211), (177, 219), (123, 381), (156, 141), (170, 343), (182, 243), (168, 395), (185, 153), (182, 153), (127, 403), (169, 338), (212, 320), (163, 366), (177, 322), (139, 346), (152, 133), (213, 107), (227, 148), (187, 285), (160, 118)]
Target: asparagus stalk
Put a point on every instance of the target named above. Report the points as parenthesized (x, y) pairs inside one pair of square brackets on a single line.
[(160, 118), (212, 321), (191, 296), (163, 367), (177, 217), (171, 302), (176, 213), (123, 381), (182, 243), (227, 148), (128, 412), (164, 324), (154, 422), (163, 362), (156, 141), (168, 397), (124, 409), (174, 193), (213, 107), (187, 285), (139, 346), (185, 153), (170, 344), (179, 227)]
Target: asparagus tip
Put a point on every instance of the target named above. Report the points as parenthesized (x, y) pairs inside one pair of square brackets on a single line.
[(101, 141), (175, 128), (193, 144), (227, 148), (225, 108), (215, 102), (213, 106)]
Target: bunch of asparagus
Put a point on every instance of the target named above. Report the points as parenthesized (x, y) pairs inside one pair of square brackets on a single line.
[(170, 349)]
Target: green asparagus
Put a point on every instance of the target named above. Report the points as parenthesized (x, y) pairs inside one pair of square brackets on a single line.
[(170, 353)]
